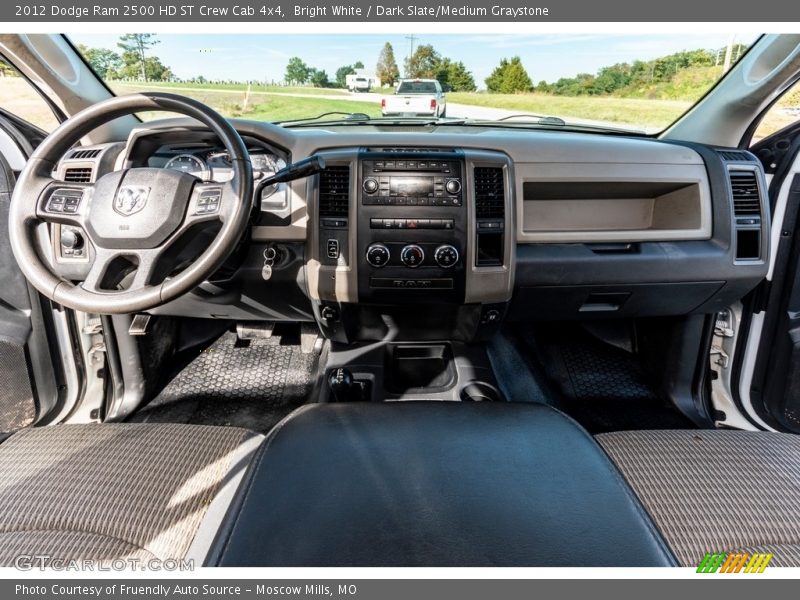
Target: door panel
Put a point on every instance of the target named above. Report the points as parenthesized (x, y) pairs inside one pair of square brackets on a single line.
[(775, 390)]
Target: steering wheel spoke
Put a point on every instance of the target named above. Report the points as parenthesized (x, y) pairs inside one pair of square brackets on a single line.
[(65, 203), (209, 202), (112, 267)]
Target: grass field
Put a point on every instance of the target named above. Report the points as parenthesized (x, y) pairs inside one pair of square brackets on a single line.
[(261, 106), (647, 114), (233, 87)]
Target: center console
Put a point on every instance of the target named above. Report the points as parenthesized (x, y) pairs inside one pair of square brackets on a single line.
[(412, 227), (411, 243)]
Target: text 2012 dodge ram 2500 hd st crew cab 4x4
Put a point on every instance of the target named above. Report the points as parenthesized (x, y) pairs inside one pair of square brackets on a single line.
[(415, 97)]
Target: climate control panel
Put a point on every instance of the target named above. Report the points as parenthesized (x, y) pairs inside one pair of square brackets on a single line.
[(412, 227)]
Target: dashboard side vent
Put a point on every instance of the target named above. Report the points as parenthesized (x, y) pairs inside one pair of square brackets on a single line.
[(489, 193), (747, 213), (490, 211), (78, 175), (334, 191), (84, 154), (735, 155), (744, 187)]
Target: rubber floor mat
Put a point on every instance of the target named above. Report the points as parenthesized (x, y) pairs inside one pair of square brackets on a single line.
[(251, 384), (17, 406), (602, 387)]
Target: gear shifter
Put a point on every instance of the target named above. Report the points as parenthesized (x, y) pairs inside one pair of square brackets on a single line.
[(343, 387)]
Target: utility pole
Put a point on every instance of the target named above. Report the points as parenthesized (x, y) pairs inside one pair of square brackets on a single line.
[(411, 38), (729, 53)]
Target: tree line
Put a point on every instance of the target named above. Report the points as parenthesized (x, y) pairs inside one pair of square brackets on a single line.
[(131, 62), (627, 77)]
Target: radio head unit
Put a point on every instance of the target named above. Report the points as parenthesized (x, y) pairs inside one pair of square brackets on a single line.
[(412, 182)]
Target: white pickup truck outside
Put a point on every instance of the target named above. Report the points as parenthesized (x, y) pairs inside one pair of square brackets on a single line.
[(416, 97)]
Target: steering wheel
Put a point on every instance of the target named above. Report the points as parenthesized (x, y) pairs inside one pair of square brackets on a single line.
[(131, 217)]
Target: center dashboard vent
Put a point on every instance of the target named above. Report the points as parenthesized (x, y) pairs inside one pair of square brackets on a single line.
[(78, 175), (334, 191), (489, 193)]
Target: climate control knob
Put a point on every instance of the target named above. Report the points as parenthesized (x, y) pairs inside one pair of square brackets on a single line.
[(378, 255), (370, 185), (453, 186), (446, 256), (412, 256)]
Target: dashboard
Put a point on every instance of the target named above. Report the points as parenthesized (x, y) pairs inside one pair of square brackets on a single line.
[(439, 233)]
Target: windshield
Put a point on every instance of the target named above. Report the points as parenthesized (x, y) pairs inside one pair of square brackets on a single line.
[(628, 82)]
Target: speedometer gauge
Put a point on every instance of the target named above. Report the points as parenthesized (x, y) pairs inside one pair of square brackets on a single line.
[(266, 165), (189, 163)]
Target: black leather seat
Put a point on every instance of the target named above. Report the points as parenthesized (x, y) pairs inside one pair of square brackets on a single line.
[(435, 484)]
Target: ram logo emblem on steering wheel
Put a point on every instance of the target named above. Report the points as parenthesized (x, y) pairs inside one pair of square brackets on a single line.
[(131, 199)]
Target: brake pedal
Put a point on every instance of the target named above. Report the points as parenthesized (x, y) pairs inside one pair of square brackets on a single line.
[(254, 331)]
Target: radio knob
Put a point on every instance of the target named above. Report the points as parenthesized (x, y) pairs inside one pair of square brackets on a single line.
[(370, 185), (412, 256), (378, 255), (453, 186), (446, 256)]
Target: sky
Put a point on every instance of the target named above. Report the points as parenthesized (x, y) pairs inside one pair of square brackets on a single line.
[(546, 57)]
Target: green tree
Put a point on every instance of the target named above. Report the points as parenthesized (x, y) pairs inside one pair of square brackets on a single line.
[(137, 44), (342, 73), (387, 69), (455, 77), (102, 60), (358, 65), (543, 87), (152, 70), (319, 78), (297, 71), (509, 77), (424, 63)]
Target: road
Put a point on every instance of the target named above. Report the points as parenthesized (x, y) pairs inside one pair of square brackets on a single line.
[(460, 111)]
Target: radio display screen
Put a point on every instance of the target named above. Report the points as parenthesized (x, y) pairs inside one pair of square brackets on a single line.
[(411, 186)]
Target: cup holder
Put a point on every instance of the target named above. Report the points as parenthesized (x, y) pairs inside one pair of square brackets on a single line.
[(480, 391)]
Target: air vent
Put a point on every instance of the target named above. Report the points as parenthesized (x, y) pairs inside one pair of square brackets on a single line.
[(489, 193), (744, 186), (735, 155), (334, 192), (78, 175), (84, 154)]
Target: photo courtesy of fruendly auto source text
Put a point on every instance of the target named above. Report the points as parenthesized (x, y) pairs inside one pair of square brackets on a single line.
[(416, 299)]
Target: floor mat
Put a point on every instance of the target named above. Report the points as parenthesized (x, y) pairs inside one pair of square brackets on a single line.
[(251, 384), (17, 407), (601, 386)]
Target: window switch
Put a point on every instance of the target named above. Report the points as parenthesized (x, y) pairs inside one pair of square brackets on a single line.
[(333, 248)]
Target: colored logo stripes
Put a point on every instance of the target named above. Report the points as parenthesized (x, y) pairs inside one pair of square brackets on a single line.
[(734, 562)]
